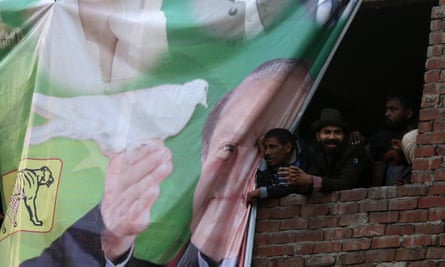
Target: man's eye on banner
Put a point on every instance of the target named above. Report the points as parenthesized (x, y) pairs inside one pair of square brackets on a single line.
[(245, 19)]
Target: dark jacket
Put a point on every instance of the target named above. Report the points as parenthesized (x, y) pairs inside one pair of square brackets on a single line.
[(268, 179), (350, 169), (79, 246)]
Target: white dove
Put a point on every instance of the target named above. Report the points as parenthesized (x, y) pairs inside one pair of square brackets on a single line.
[(119, 121)]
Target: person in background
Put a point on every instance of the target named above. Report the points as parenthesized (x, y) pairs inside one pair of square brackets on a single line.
[(390, 166)]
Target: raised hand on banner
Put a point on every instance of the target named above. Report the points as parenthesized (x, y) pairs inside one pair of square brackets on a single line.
[(131, 187)]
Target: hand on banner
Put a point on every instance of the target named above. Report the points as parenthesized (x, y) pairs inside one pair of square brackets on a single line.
[(131, 187)]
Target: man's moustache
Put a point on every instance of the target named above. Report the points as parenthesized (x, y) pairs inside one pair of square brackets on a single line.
[(332, 142)]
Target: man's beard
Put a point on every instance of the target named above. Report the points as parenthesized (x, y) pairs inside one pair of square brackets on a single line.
[(332, 150)]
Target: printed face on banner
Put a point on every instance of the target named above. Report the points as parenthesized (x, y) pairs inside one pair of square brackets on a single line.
[(269, 97)]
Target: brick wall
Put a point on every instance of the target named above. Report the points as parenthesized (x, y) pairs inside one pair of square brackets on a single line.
[(400, 226)]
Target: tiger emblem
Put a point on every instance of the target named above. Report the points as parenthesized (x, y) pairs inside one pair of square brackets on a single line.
[(27, 187)]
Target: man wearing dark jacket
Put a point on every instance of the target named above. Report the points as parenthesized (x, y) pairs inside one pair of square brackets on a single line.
[(331, 163), (280, 149)]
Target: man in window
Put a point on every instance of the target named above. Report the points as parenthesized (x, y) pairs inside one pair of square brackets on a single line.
[(331, 163), (279, 148)]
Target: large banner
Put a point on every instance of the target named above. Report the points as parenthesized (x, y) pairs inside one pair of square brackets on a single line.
[(129, 127)]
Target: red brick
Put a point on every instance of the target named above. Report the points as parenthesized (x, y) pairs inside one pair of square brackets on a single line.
[(432, 202), (429, 101), (431, 76), (304, 248), (294, 224), (327, 247), (320, 260), (435, 253), (337, 234), (315, 210), (274, 250), (412, 190), (351, 219), (293, 200), (417, 241), (408, 254), (440, 150), (403, 204), (261, 238), (291, 261), (440, 174), (436, 11), (369, 230), (432, 62), (373, 205), (386, 242), (356, 244), (385, 192), (281, 237), (263, 213), (442, 240), (427, 164), (400, 229), (341, 208), (317, 198), (268, 202), (285, 212), (413, 216), (431, 138), (353, 195), (441, 87), (430, 114), (380, 255), (267, 226), (425, 127), (439, 126), (264, 262), (302, 236), (435, 50), (429, 228), (323, 222), (436, 25), (350, 258), (422, 176), (383, 217), (422, 264), (436, 214), (437, 189), (425, 151)]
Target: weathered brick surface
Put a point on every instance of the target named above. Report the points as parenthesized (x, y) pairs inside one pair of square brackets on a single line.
[(391, 226), (386, 242)]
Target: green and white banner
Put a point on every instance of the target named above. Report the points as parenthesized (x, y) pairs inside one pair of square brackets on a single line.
[(129, 127)]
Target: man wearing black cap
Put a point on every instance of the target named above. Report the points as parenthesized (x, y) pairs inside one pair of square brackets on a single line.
[(332, 164)]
